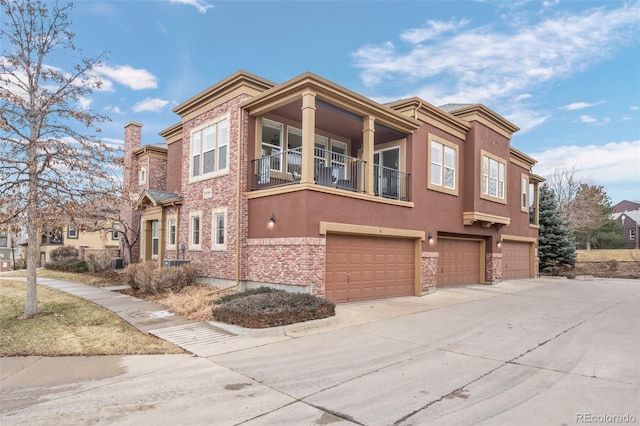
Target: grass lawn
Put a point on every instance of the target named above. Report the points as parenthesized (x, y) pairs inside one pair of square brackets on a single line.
[(67, 325)]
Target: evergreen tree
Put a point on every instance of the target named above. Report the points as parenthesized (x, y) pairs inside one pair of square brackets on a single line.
[(592, 223), (556, 246)]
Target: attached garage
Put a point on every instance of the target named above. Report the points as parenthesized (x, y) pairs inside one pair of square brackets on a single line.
[(360, 267), (516, 260), (460, 262)]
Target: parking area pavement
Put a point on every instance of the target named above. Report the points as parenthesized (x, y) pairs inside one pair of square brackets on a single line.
[(520, 352)]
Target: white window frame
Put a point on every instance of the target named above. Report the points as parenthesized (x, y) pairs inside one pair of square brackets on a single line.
[(155, 239), (172, 225), (195, 245), (142, 175), (489, 163), (72, 231), (216, 245), (115, 233), (4, 235), (220, 129), (436, 178), (524, 196), (276, 126), (632, 234)]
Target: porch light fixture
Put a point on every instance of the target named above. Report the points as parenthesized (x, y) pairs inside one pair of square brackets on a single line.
[(430, 238), (499, 244), (272, 221)]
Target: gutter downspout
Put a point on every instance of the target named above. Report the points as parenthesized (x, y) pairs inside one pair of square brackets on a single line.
[(239, 201)]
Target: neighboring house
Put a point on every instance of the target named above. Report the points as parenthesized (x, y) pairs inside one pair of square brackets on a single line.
[(84, 241), (310, 187), (625, 205), (630, 223)]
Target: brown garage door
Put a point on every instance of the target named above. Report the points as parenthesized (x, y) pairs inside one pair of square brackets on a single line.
[(516, 260), (362, 268), (459, 262)]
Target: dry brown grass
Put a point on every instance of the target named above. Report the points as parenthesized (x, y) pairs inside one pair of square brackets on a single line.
[(68, 325), (194, 302), (102, 279)]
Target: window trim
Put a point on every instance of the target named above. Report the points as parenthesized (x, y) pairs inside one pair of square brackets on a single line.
[(501, 161), (155, 238), (142, 175), (525, 202), (441, 188), (72, 235), (115, 232), (632, 234), (200, 130), (215, 246), (172, 218), (192, 216)]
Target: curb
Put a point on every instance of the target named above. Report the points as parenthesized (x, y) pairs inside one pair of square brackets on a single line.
[(274, 331)]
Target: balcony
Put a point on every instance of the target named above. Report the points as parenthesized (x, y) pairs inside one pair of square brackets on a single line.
[(331, 169)]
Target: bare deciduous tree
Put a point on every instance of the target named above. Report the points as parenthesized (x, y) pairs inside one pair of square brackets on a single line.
[(50, 155), (565, 184)]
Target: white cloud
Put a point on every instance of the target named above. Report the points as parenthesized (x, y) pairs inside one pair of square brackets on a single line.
[(580, 105), (587, 119), (610, 163), (431, 30), (114, 110), (492, 64), (201, 5), (150, 104), (84, 103), (634, 108), (136, 79)]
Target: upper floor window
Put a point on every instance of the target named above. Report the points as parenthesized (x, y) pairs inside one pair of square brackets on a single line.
[(72, 231), (632, 234), (534, 218), (209, 149), (142, 176), (443, 166), (115, 234), (272, 143), (493, 178), (524, 194), (52, 237)]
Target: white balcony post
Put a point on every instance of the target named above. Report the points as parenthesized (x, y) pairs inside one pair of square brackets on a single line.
[(308, 136), (367, 152)]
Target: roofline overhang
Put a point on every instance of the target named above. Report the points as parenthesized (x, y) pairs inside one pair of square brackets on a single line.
[(333, 94), (172, 134), (144, 149), (481, 113), (146, 196), (440, 119)]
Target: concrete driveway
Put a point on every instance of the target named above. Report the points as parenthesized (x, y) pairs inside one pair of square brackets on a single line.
[(521, 352)]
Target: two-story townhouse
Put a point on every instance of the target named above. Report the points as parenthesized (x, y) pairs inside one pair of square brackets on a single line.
[(310, 187)]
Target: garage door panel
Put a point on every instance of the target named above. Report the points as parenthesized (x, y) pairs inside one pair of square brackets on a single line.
[(516, 260), (375, 267), (459, 262)]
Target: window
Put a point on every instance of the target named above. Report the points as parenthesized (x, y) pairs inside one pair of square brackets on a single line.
[(209, 149), (533, 206), (294, 142), (4, 239), (115, 235), (155, 240), (524, 196), (72, 232), (171, 232), (443, 166), (219, 237), (272, 143), (194, 231), (632, 234), (53, 237), (493, 176), (142, 175)]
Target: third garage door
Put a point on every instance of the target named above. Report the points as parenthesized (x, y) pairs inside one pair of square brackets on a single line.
[(516, 260), (363, 267), (459, 262)]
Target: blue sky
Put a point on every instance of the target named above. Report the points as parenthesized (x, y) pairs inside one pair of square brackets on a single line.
[(566, 72)]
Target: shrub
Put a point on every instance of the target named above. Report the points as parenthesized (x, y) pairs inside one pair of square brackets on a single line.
[(63, 253), (99, 260), (233, 296), (273, 308), (148, 278), (68, 265)]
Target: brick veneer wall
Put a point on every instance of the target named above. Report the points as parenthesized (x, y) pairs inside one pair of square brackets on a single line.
[(157, 174), (289, 261), (224, 190), (131, 187), (493, 267), (429, 271)]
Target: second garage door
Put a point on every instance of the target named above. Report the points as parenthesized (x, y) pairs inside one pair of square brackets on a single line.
[(459, 262), (516, 260), (363, 267)]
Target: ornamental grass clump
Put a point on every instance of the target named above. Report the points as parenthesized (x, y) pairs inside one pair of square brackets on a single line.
[(273, 308)]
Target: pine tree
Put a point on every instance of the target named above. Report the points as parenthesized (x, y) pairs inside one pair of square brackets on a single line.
[(556, 246)]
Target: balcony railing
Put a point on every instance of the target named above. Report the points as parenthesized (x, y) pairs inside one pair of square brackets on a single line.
[(330, 169), (390, 183)]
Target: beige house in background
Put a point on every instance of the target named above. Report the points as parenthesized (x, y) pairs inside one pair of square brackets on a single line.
[(84, 241)]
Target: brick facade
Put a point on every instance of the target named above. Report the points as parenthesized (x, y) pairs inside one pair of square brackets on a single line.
[(429, 270), (493, 266)]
